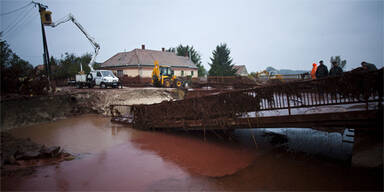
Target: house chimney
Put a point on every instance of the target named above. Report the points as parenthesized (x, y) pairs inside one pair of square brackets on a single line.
[(143, 47), (163, 49)]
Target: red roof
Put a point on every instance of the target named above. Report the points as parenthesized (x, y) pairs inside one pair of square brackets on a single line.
[(241, 69), (147, 57)]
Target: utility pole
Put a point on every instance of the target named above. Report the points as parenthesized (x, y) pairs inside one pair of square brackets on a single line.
[(47, 63)]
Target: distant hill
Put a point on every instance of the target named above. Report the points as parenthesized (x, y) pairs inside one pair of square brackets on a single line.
[(286, 71)]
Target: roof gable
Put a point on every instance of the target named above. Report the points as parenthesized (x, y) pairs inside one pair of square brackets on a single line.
[(241, 69)]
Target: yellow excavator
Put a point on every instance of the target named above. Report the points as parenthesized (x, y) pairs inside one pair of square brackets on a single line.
[(269, 75), (163, 76)]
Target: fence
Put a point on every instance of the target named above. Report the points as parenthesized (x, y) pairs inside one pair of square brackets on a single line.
[(286, 77)]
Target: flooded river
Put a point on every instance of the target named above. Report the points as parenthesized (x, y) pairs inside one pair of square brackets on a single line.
[(114, 157)]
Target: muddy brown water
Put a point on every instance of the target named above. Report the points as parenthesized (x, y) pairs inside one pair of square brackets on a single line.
[(114, 157)]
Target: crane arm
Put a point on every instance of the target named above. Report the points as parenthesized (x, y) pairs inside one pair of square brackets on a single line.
[(95, 45)]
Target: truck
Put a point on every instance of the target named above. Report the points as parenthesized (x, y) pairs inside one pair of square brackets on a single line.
[(101, 78)]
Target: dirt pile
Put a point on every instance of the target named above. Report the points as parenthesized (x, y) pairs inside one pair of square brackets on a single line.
[(29, 82), (136, 81), (129, 96)]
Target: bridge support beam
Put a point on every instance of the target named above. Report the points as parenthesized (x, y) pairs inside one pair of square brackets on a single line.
[(354, 119)]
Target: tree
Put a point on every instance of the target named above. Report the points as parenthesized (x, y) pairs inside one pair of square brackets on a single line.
[(340, 63), (13, 69), (96, 65), (221, 62), (19, 67), (5, 54), (193, 54), (11, 62), (69, 65)]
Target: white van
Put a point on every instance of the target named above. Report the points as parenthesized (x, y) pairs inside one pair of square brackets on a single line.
[(102, 78)]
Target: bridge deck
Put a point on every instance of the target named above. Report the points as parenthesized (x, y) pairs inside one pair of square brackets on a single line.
[(353, 119)]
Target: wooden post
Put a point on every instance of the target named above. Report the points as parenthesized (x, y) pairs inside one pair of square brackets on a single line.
[(111, 107), (289, 106), (204, 135)]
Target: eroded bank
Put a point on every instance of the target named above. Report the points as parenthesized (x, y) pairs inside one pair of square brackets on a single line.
[(22, 111)]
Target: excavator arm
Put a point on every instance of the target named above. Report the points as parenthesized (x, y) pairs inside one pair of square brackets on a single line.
[(95, 45), (156, 73)]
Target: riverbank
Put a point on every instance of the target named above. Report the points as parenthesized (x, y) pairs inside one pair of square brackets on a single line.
[(20, 156), (19, 111)]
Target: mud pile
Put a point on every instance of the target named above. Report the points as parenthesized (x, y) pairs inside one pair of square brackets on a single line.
[(136, 81), (17, 151)]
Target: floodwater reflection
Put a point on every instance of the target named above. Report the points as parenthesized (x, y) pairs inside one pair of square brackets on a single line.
[(313, 142), (122, 158)]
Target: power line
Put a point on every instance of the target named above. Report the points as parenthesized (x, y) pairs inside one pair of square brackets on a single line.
[(24, 24), (18, 9), (17, 21)]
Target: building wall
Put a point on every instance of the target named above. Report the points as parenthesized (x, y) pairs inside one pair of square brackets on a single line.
[(130, 72), (187, 72), (147, 72), (243, 73)]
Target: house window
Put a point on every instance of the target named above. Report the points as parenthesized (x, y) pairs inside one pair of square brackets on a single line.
[(120, 73), (192, 73), (182, 73)]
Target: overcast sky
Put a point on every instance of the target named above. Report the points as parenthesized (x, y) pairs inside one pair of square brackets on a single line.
[(284, 34)]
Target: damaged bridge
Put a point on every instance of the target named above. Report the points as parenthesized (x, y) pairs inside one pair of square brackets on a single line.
[(353, 100)]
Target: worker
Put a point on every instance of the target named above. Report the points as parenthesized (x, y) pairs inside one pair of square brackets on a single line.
[(368, 66), (313, 72), (336, 70), (322, 70)]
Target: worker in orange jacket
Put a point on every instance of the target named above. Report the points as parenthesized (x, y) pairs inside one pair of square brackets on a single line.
[(313, 72)]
